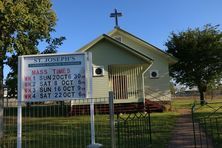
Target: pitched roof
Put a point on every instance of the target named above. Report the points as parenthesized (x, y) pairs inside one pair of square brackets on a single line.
[(110, 39), (141, 41)]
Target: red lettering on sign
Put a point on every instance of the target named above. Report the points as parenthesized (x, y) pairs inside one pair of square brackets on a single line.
[(39, 72), (27, 96), (28, 79), (27, 84), (27, 90), (61, 71)]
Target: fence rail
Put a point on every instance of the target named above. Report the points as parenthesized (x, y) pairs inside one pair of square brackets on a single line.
[(134, 130), (67, 124), (51, 124), (207, 127)]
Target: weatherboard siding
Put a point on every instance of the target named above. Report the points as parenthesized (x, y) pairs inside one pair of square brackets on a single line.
[(100, 86), (160, 63), (105, 53)]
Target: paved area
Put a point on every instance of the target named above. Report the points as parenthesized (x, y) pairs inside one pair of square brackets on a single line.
[(183, 133)]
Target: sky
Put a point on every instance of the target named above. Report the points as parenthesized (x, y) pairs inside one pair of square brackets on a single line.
[(81, 21)]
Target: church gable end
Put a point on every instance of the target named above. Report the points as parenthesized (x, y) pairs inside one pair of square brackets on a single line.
[(142, 46)]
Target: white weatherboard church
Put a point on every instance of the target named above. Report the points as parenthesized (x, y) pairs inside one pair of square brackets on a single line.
[(130, 67)]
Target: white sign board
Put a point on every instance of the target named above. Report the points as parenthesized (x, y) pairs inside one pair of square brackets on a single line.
[(52, 77)]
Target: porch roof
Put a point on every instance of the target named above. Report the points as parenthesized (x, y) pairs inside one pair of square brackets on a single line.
[(113, 41)]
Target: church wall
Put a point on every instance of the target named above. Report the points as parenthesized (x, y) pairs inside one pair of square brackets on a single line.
[(105, 53), (159, 85)]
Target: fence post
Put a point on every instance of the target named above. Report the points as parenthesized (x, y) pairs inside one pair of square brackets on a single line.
[(112, 122), (118, 128), (194, 133), (150, 130), (206, 131), (19, 125), (92, 121), (1, 118), (19, 105)]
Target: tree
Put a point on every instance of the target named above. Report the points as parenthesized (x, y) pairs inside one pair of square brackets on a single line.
[(24, 24), (199, 53)]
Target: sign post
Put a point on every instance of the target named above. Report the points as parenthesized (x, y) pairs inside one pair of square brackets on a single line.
[(92, 125), (52, 77), (19, 113)]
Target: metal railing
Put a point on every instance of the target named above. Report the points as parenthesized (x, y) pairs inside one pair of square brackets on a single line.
[(57, 124), (133, 130), (67, 124), (207, 124), (164, 103)]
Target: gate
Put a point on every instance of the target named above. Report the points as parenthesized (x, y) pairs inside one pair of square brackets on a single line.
[(133, 130), (207, 124)]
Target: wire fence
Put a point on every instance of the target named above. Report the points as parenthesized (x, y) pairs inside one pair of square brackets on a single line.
[(207, 127), (66, 124), (134, 130), (57, 124)]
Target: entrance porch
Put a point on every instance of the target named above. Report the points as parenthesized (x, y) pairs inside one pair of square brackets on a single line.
[(127, 82)]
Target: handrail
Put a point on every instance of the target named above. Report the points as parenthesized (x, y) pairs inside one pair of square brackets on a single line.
[(194, 132), (156, 98), (159, 94)]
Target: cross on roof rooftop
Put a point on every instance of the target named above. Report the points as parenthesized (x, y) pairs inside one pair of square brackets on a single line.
[(116, 15)]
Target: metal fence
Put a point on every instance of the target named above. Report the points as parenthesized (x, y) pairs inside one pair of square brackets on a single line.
[(67, 124), (133, 130), (57, 124), (207, 124)]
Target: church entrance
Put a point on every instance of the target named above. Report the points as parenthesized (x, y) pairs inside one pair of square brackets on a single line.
[(126, 81)]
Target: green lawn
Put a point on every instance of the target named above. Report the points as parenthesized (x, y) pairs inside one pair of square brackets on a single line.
[(54, 132), (162, 126), (51, 126), (181, 103), (74, 131), (210, 118)]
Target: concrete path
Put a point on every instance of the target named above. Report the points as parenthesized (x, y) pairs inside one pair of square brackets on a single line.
[(183, 133)]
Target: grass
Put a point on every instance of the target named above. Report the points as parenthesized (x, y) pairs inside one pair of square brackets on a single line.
[(53, 132), (162, 126), (210, 118), (182, 103), (42, 128), (50, 126)]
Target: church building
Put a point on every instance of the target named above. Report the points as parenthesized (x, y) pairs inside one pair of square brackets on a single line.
[(130, 67)]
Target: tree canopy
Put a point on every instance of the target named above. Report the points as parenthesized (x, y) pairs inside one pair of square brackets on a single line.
[(199, 53), (23, 25)]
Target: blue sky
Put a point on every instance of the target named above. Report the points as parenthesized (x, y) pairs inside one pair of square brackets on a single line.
[(81, 21)]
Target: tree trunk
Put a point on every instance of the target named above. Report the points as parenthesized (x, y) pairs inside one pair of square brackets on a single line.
[(1, 100), (201, 91), (202, 99)]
